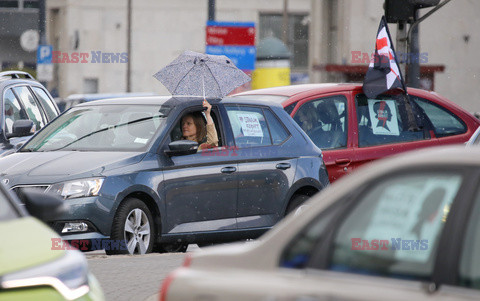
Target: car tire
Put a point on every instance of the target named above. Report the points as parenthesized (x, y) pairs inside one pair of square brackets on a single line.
[(171, 248), (133, 224), (296, 201)]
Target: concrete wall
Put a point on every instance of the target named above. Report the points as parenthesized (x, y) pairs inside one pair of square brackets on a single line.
[(162, 29)]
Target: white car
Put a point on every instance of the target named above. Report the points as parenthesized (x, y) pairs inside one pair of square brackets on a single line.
[(404, 228), (474, 139)]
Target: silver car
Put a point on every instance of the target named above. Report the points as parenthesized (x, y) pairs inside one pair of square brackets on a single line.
[(404, 228)]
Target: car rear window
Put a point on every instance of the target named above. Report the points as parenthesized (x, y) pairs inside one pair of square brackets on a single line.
[(445, 123)]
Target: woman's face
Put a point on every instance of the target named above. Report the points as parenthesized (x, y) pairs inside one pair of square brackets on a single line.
[(189, 130)]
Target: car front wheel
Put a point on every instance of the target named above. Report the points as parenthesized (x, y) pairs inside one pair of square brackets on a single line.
[(133, 224)]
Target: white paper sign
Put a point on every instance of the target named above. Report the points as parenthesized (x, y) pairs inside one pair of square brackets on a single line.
[(250, 125), (383, 114)]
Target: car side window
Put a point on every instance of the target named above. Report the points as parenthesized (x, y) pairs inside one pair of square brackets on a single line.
[(277, 130), (395, 227), (13, 110), (325, 122), (383, 121), (444, 122), (46, 102), (30, 105), (249, 126), (469, 270), (176, 132)]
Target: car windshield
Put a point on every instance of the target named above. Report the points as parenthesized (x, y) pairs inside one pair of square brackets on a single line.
[(100, 128)]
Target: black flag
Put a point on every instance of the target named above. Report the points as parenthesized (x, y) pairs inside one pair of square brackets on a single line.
[(383, 73)]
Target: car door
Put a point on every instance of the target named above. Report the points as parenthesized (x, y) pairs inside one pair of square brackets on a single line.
[(382, 129), (329, 129), (200, 190), (13, 110), (265, 172), (384, 240), (467, 276)]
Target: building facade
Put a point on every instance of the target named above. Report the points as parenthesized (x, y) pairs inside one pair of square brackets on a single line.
[(329, 41)]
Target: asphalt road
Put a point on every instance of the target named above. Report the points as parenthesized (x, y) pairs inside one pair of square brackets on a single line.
[(127, 277)]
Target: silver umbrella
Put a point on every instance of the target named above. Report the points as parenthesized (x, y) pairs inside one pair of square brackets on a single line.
[(198, 74)]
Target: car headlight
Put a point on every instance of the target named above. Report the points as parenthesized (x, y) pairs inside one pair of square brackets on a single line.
[(77, 188), (68, 275)]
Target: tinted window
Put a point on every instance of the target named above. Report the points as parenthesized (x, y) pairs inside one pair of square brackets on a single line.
[(13, 110), (30, 105), (278, 132), (248, 126), (324, 120), (444, 122), (383, 121), (395, 228), (298, 253), (469, 273), (46, 102)]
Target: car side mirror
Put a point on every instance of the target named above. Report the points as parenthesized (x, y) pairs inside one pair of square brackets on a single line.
[(22, 128), (182, 148), (44, 206)]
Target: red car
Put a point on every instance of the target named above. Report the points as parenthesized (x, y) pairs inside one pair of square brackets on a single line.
[(353, 130)]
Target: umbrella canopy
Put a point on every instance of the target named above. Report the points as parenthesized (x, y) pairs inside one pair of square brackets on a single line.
[(198, 74)]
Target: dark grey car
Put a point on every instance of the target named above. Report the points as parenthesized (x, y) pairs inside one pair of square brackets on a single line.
[(131, 183), (26, 106)]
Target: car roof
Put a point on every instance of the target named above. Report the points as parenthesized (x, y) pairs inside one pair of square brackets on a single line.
[(173, 101), (294, 90)]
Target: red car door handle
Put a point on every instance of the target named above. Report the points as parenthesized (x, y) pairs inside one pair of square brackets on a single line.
[(229, 169), (345, 161)]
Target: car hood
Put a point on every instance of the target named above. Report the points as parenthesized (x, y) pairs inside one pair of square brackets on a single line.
[(26, 242), (49, 167)]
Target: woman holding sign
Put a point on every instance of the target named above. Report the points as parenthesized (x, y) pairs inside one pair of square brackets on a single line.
[(195, 129)]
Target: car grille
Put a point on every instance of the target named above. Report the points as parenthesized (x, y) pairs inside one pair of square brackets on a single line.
[(18, 189)]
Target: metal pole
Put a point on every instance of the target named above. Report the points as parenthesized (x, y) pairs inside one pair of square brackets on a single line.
[(42, 27), (401, 46), (285, 23), (413, 70), (129, 43), (211, 10)]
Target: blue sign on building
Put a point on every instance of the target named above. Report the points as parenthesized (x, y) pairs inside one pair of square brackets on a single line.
[(242, 56)]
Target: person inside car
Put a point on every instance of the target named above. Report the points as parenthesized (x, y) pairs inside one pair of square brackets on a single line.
[(307, 118), (194, 128)]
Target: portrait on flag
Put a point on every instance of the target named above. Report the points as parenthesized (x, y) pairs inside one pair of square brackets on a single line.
[(383, 114)]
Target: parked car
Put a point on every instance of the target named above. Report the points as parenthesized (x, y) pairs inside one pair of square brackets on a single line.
[(26, 106), (351, 130), (119, 161), (475, 139), (75, 99), (403, 228), (30, 268)]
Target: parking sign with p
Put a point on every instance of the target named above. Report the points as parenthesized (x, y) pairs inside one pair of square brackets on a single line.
[(44, 54)]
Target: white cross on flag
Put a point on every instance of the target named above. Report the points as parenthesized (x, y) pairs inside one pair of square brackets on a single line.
[(383, 73)]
